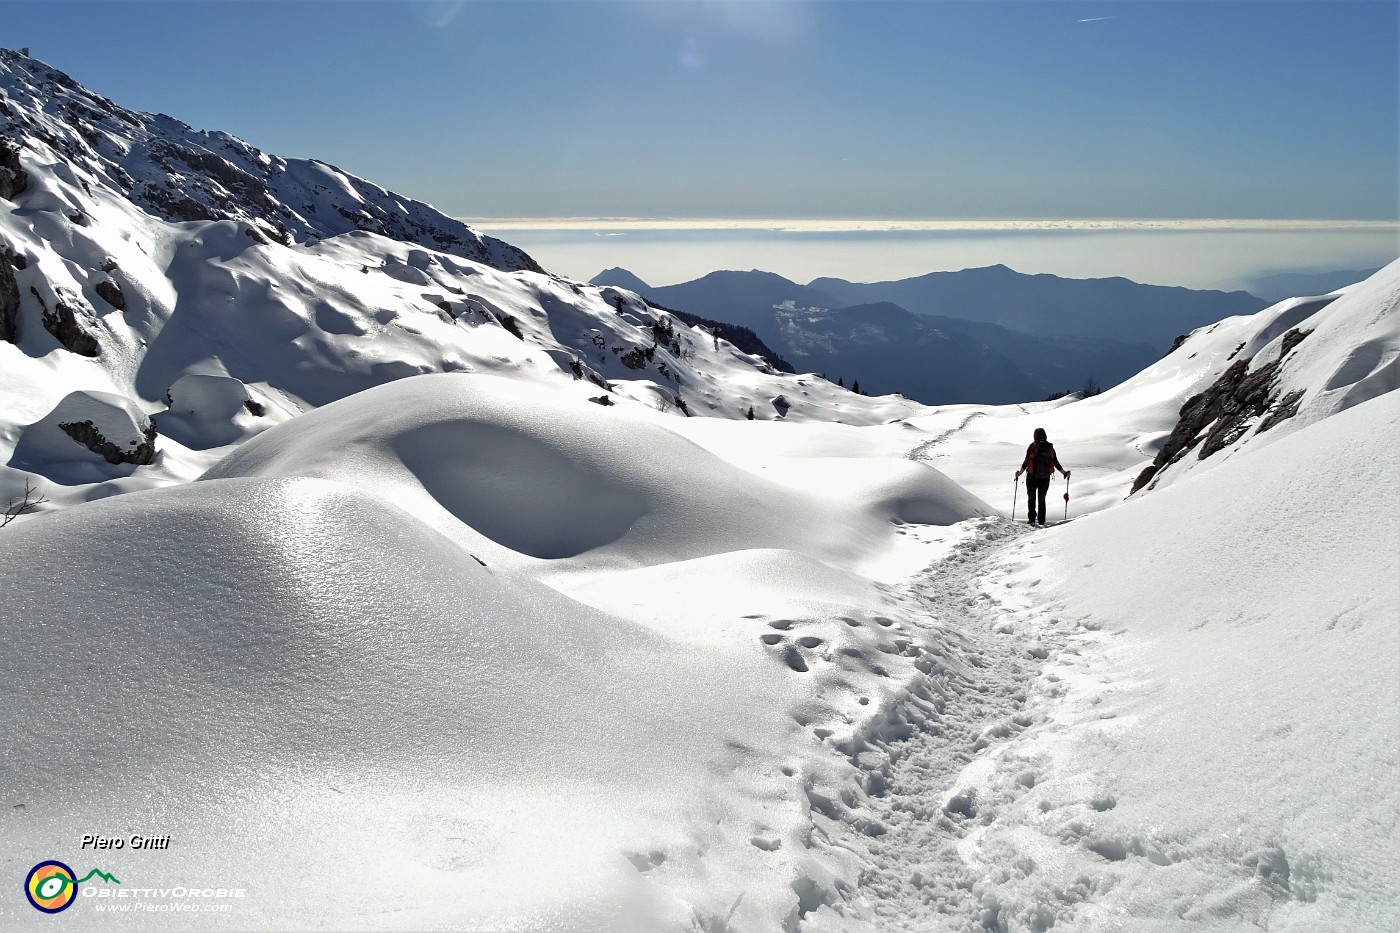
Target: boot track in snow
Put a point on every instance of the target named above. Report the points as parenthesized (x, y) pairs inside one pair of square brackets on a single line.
[(973, 698)]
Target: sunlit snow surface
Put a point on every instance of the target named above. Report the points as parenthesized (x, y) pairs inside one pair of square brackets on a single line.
[(427, 638), (573, 667)]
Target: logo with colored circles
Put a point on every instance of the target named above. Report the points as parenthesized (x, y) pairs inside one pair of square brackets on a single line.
[(51, 886)]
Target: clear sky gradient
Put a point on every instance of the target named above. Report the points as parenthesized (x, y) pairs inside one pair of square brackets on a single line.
[(1050, 109)]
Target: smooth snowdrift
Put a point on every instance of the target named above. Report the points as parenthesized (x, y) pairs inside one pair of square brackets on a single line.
[(323, 694), (180, 254), (528, 476)]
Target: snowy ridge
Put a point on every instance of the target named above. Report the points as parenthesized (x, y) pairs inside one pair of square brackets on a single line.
[(181, 174)]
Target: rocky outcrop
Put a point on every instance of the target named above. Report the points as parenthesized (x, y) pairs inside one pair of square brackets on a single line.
[(63, 323), (13, 177), (1219, 416), (109, 426), (9, 294), (181, 174), (111, 293), (88, 434)]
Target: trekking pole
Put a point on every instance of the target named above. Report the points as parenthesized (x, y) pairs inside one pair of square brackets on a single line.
[(1066, 497), (1015, 488)]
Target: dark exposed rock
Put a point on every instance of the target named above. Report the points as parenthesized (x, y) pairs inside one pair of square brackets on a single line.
[(172, 205), (9, 296), (1177, 343), (743, 338), (86, 433), (1227, 410), (256, 409), (1286, 408), (1291, 340), (508, 322), (62, 322), (13, 177), (601, 400), (1144, 477), (111, 293), (634, 358), (179, 174)]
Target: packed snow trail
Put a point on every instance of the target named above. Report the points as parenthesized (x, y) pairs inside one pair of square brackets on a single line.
[(918, 808), (924, 450), (945, 769), (916, 872)]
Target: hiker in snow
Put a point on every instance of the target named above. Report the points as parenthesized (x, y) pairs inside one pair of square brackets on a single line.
[(1040, 464)]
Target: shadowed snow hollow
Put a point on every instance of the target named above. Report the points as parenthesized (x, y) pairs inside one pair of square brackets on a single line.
[(527, 474)]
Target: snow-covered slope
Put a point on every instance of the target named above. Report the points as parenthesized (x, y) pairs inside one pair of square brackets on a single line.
[(1214, 735), (106, 287), (427, 607)]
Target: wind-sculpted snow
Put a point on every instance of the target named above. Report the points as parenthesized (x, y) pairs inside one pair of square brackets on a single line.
[(311, 691), (527, 474)]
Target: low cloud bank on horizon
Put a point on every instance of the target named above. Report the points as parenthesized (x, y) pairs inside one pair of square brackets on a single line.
[(858, 226)]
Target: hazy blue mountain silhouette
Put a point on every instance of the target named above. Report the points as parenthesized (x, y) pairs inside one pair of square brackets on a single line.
[(621, 278), (1112, 309), (888, 349)]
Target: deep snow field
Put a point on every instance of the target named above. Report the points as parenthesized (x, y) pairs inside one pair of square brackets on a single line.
[(429, 637)]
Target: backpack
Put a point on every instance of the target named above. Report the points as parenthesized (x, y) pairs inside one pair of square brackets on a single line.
[(1042, 459)]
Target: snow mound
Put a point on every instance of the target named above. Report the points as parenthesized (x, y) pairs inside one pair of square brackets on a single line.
[(87, 437), (339, 658), (529, 474), (210, 411)]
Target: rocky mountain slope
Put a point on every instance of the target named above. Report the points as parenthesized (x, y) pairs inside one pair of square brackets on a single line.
[(153, 273)]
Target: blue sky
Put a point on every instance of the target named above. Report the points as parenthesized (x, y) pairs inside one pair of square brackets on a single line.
[(1051, 109)]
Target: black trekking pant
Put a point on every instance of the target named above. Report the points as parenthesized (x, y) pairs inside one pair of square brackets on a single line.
[(1036, 488)]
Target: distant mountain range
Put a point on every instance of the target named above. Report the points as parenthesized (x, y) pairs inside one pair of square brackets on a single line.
[(1111, 309), (988, 335)]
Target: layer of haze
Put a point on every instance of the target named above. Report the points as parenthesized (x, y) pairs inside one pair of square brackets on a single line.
[(780, 109), (1189, 256)]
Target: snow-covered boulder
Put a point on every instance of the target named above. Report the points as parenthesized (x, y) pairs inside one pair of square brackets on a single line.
[(86, 428), (209, 411)]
